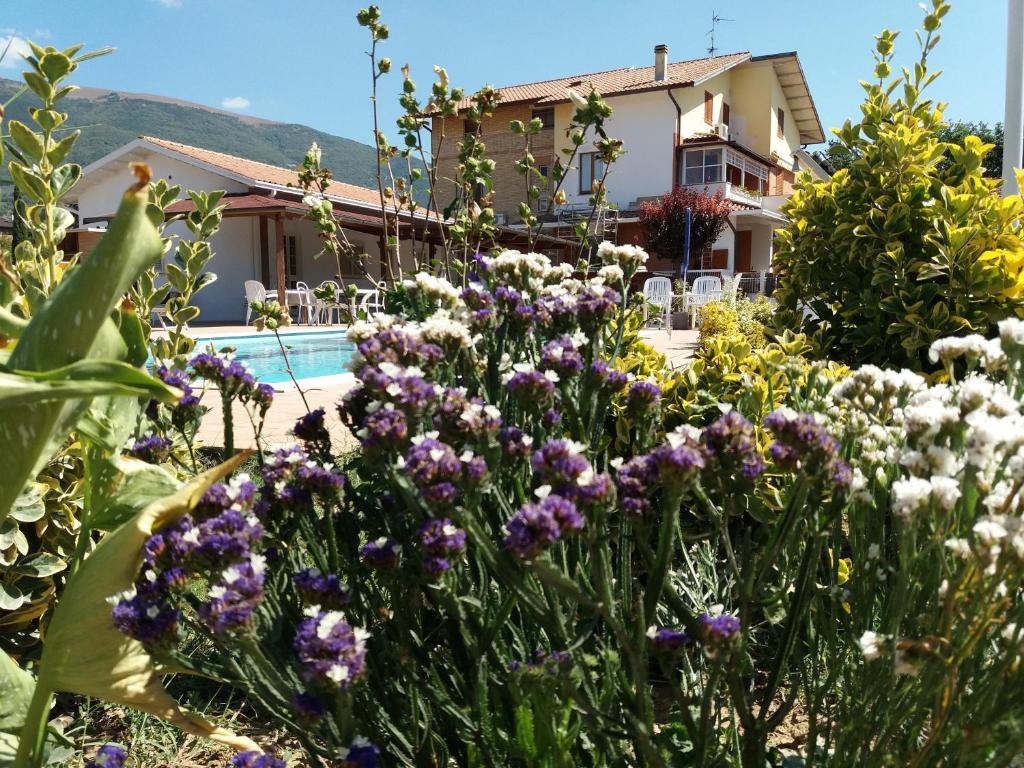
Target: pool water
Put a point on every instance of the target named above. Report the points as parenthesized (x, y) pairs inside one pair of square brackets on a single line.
[(310, 354)]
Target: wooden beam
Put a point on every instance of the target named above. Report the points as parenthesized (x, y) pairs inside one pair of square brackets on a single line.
[(279, 227), (264, 250)]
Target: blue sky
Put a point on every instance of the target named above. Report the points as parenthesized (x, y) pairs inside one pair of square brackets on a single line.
[(303, 60)]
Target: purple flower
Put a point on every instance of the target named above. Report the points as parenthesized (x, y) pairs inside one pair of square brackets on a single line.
[(108, 756), (256, 760), (594, 306), (308, 706), (730, 441), (231, 601), (533, 390), (384, 430), (331, 651), (460, 418), (665, 640), (610, 380), (404, 388), (399, 348), (801, 441), (312, 429), (380, 553), (226, 538), (362, 754), (436, 567), (152, 449), (187, 409), (432, 466), (515, 444), (721, 627), (643, 399), (677, 461), (551, 418), (440, 537), (561, 356), (559, 463), (323, 589), (146, 616), (634, 481), (291, 480), (534, 527)]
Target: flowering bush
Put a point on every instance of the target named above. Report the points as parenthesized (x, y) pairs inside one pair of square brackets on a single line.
[(901, 248)]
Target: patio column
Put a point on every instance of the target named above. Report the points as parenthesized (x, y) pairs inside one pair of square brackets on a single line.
[(264, 250), (1013, 143), (279, 232)]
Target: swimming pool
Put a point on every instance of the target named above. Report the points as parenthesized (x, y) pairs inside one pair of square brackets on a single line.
[(310, 354)]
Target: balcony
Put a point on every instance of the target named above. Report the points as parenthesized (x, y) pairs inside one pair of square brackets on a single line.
[(731, 192)]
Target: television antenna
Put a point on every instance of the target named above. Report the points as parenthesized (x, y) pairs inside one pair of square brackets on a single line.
[(715, 21)]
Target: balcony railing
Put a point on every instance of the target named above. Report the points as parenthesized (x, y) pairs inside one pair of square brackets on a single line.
[(730, 191)]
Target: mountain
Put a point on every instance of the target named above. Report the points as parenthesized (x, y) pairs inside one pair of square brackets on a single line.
[(109, 119)]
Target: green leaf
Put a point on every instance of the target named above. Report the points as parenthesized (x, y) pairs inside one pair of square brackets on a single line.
[(61, 149), (55, 66), (16, 687), (64, 178), (27, 140), (29, 506), (11, 597), (42, 565), (30, 183), (123, 486)]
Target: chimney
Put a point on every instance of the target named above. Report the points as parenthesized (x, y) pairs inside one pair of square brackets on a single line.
[(660, 62)]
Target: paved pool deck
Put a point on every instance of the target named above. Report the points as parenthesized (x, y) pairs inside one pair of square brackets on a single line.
[(678, 347)]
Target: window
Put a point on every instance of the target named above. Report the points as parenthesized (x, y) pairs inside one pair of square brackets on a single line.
[(725, 113), (734, 167), (546, 117), (591, 170), (470, 126), (709, 107), (291, 259), (755, 177), (702, 166), (781, 123)]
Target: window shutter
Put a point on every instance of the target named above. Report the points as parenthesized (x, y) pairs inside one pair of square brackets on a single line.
[(782, 123), (725, 113), (709, 107)]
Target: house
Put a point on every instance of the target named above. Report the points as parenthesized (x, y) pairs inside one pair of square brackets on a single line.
[(263, 222), (734, 124)]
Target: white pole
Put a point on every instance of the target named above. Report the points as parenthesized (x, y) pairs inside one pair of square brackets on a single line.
[(1013, 125)]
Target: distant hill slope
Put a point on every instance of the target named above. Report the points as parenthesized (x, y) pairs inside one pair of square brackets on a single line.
[(109, 119)]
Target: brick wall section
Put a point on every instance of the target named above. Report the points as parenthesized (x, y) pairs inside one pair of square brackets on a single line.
[(504, 147)]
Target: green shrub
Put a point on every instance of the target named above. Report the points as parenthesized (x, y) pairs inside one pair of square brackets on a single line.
[(717, 318), (900, 249), (748, 320)]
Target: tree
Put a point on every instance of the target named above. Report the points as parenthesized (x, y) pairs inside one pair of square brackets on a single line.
[(896, 251), (664, 221), (838, 155)]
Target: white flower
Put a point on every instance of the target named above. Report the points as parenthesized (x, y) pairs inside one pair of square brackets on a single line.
[(871, 645), (910, 495), (1011, 333), (611, 273), (945, 491)]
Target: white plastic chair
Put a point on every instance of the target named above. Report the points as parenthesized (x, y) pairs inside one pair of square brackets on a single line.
[(304, 301), (658, 293), (254, 291), (705, 288), (322, 308), (369, 302)]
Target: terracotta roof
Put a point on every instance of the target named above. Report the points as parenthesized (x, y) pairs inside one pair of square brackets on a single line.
[(262, 172), (240, 203), (618, 81)]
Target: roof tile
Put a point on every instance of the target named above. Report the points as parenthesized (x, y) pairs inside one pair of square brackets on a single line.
[(619, 81), (264, 172)]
